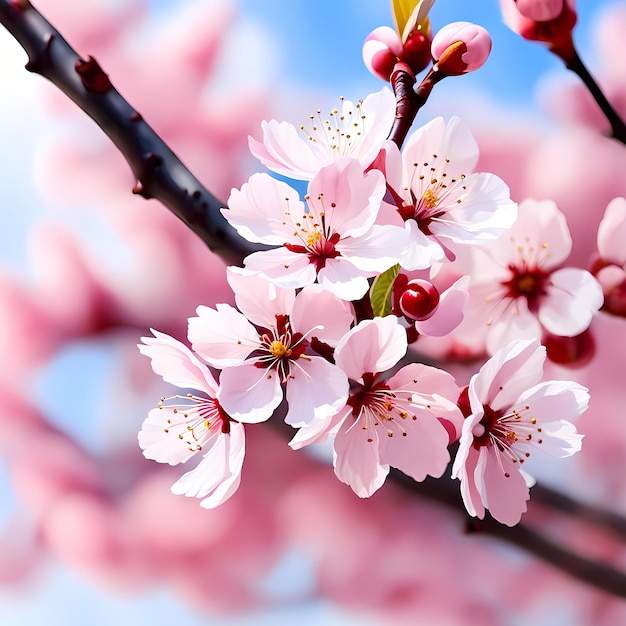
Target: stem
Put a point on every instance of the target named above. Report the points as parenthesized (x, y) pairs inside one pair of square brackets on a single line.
[(576, 65), (409, 99), (159, 172)]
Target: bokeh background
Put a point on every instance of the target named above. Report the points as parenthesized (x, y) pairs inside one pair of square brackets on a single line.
[(88, 530)]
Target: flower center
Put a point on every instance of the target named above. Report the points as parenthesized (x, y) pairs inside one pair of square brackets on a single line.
[(509, 434), (430, 199), (526, 282), (376, 405), (193, 419), (279, 350)]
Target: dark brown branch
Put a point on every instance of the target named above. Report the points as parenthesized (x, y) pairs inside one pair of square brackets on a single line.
[(162, 175), (159, 172), (618, 128)]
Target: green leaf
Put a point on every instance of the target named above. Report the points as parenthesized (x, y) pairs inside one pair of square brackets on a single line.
[(380, 292)]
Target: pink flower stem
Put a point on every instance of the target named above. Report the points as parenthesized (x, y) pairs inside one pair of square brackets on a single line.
[(159, 172), (409, 99), (576, 65)]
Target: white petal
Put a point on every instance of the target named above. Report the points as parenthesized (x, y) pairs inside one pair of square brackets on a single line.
[(318, 309), (612, 232), (177, 364), (317, 390), (508, 373), (259, 210), (345, 280), (248, 393), (281, 266), (372, 346), (356, 459), (224, 337), (573, 297), (259, 299)]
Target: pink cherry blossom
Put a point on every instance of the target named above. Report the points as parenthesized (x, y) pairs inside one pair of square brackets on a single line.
[(519, 287), (182, 426), (333, 239), (437, 196), (512, 414), (540, 10), (460, 47), (401, 421), (354, 130), (272, 343)]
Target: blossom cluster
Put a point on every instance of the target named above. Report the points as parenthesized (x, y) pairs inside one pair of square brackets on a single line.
[(388, 246)]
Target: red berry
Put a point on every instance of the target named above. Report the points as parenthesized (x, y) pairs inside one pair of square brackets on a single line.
[(419, 300)]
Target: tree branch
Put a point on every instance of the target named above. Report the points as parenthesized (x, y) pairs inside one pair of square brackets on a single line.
[(159, 172)]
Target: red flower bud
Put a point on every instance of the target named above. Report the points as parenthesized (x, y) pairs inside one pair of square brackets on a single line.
[(419, 300)]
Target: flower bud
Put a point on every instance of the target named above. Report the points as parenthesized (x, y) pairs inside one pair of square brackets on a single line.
[(540, 10), (550, 21), (381, 50), (572, 352), (420, 300), (460, 47), (416, 51)]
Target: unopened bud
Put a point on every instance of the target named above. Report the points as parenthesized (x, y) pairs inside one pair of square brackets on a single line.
[(381, 50), (550, 21), (420, 300), (540, 10), (459, 48)]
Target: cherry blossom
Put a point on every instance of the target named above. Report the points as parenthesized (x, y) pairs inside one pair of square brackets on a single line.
[(354, 130), (402, 421), (520, 288), (512, 414), (184, 425), (272, 343), (438, 198), (332, 238)]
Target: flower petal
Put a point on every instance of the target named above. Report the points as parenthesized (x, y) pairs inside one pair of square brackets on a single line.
[(177, 364)]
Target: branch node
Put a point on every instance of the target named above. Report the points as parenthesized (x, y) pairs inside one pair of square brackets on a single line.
[(92, 76)]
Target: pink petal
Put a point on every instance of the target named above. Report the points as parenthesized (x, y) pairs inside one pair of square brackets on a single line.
[(451, 141), (285, 151), (372, 346), (343, 279), (218, 474), (317, 390), (318, 309), (377, 250), (348, 199), (449, 313), (465, 470), (281, 266), (504, 496), (258, 210), (507, 374), (422, 250), (612, 232), (517, 322), (248, 393), (177, 364), (540, 10), (422, 452), (574, 296), (258, 299), (159, 437), (318, 430), (356, 459), (224, 337)]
